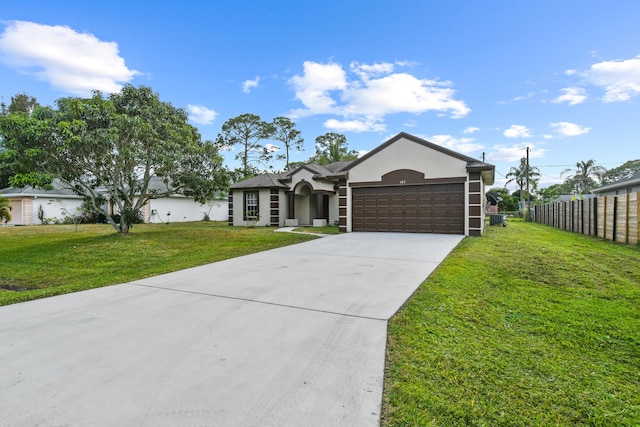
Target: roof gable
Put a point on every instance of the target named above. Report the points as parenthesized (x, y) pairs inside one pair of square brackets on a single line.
[(404, 135), (487, 170), (278, 180)]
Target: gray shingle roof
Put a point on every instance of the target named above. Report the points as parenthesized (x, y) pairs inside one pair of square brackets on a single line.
[(59, 189), (276, 180), (265, 180), (623, 183)]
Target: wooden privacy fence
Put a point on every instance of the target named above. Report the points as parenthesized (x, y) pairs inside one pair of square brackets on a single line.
[(613, 218)]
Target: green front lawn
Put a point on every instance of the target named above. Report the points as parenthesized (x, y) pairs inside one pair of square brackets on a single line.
[(526, 326), (41, 261)]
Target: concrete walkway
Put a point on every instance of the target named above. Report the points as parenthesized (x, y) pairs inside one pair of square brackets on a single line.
[(294, 336)]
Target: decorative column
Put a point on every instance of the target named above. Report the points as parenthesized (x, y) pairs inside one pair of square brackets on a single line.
[(342, 205), (476, 211), (230, 207), (275, 207)]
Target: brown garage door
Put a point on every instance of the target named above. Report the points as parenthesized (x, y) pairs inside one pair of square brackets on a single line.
[(433, 208)]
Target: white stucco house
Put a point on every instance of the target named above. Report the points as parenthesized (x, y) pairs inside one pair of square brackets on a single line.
[(407, 184), (60, 202)]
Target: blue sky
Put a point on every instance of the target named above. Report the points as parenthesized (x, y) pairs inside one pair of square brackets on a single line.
[(492, 77)]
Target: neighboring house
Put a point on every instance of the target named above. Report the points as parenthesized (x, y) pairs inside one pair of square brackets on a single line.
[(61, 202), (624, 186), (407, 184), (179, 208), (56, 204)]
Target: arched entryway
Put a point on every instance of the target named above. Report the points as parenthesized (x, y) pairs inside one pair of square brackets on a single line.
[(305, 204)]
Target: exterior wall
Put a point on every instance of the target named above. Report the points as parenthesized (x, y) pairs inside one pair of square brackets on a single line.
[(620, 191), (304, 207), (16, 212), (25, 209), (405, 154), (284, 206), (183, 209), (274, 207), (264, 204), (333, 210)]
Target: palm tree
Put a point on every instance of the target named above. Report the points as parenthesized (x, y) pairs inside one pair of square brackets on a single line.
[(519, 176), (5, 210), (584, 177)]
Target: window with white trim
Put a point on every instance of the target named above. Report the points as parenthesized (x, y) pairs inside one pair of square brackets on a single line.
[(251, 206)]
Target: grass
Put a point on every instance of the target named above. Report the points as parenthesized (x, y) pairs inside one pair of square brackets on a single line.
[(330, 229), (42, 261), (526, 326)]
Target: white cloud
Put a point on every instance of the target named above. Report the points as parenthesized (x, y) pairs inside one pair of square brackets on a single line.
[(250, 84), (470, 130), (527, 96), (571, 95), (517, 131), (354, 126), (461, 145), (271, 148), (514, 153), (201, 114), (369, 93), (402, 93), (620, 79), (367, 71), (72, 62), (571, 72), (314, 88), (569, 129)]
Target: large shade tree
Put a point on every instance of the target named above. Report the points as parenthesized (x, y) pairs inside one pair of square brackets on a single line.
[(332, 147), (20, 104), (112, 148), (585, 177)]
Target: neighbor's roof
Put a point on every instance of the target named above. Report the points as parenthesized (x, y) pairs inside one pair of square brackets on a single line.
[(59, 190), (623, 183)]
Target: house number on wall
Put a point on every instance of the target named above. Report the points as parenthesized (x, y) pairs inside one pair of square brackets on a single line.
[(403, 181)]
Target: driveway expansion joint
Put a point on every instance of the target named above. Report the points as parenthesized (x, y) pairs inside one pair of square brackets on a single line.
[(275, 304)]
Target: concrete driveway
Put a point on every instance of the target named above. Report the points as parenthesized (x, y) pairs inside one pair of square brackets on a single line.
[(289, 337)]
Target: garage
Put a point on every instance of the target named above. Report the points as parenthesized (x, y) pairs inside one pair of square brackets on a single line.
[(432, 208)]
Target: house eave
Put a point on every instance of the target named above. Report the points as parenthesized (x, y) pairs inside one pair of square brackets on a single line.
[(617, 185)]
